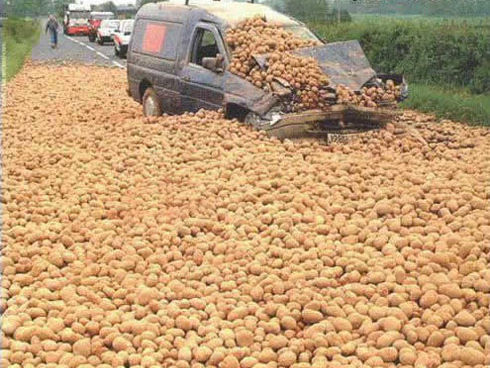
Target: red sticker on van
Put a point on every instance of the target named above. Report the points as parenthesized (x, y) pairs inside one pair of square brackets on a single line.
[(154, 38)]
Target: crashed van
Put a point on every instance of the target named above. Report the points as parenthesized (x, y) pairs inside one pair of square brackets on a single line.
[(178, 62)]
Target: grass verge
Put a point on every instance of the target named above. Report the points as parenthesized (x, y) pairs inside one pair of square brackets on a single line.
[(19, 35), (457, 105)]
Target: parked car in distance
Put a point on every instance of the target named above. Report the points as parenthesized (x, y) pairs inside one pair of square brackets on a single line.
[(95, 19), (76, 19), (122, 36), (105, 33)]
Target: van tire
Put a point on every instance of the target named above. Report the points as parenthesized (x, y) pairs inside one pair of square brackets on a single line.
[(151, 103)]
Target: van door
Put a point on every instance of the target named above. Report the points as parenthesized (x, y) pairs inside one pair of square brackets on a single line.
[(201, 87)]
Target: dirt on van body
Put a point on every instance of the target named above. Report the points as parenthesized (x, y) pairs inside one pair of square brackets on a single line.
[(194, 241)]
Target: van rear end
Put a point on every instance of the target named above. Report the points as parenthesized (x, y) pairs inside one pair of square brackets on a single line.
[(153, 54)]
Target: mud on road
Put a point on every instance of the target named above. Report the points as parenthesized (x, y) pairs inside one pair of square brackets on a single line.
[(195, 241)]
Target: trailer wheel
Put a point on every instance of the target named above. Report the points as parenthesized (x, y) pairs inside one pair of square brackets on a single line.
[(91, 38), (151, 103)]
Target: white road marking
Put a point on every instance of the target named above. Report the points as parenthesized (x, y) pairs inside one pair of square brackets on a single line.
[(119, 65), (102, 55)]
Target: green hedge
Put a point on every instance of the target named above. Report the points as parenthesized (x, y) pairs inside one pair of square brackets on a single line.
[(427, 51), (19, 35)]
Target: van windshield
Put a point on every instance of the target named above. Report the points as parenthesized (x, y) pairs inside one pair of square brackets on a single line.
[(303, 33)]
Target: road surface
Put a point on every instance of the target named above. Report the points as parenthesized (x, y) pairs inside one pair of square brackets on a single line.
[(76, 49)]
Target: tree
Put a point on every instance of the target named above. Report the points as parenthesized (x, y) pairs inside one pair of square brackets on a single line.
[(28, 8), (59, 7), (307, 10), (108, 6), (140, 3)]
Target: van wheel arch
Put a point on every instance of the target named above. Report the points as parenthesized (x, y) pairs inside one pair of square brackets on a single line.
[(151, 103), (235, 111), (144, 85)]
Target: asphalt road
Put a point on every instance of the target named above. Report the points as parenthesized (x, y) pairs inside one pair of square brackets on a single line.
[(76, 49)]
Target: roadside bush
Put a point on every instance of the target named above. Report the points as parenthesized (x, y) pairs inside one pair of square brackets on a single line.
[(20, 35), (481, 81), (432, 52), (452, 104)]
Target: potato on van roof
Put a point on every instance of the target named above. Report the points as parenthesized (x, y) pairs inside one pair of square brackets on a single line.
[(234, 12)]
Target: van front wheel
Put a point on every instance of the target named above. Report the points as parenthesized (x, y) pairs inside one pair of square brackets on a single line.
[(151, 103)]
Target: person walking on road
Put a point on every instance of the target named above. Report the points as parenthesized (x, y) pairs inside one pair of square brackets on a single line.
[(52, 26)]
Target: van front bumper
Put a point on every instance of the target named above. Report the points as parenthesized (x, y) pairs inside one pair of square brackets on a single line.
[(341, 119)]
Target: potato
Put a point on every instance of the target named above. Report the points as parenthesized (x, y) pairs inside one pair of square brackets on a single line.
[(287, 358), (465, 318), (193, 241), (244, 338), (82, 347)]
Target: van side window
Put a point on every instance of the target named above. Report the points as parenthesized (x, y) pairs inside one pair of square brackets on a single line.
[(160, 39), (205, 45)]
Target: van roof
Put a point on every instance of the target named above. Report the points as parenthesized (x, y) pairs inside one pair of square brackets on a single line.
[(228, 11)]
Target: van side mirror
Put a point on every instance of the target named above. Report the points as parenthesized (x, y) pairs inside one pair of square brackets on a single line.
[(215, 64)]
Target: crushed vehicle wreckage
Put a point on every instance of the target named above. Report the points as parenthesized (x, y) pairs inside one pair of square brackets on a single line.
[(192, 65), (346, 65)]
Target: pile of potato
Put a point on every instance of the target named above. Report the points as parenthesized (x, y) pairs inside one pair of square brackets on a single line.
[(192, 241), (385, 93), (303, 75), (256, 36)]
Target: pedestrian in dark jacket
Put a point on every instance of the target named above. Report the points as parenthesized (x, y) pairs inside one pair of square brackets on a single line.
[(52, 26)]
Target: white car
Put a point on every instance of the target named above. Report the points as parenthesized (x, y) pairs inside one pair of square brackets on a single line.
[(122, 36), (105, 33)]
